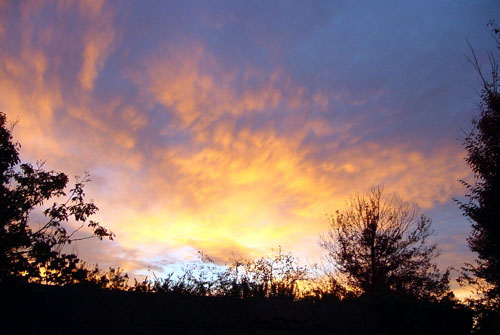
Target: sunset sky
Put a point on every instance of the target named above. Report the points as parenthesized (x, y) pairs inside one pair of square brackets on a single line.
[(237, 126)]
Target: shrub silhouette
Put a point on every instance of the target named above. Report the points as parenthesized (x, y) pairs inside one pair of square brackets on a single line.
[(273, 277)]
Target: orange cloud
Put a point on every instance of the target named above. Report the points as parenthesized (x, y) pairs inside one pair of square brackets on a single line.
[(233, 187), (259, 189), (99, 39), (232, 170), (191, 83)]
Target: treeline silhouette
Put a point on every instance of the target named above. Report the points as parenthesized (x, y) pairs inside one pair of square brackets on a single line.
[(380, 274), (78, 310), (381, 265)]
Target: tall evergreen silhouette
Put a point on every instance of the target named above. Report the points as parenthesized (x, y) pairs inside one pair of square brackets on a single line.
[(483, 205)]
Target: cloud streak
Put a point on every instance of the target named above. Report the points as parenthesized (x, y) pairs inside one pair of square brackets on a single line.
[(217, 133)]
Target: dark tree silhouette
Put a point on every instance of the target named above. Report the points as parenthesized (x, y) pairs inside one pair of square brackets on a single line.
[(30, 252), (379, 245), (483, 205)]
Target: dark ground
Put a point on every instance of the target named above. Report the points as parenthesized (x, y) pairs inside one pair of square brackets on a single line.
[(36, 309)]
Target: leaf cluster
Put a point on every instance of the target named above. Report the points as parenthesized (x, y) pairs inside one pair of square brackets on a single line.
[(31, 252)]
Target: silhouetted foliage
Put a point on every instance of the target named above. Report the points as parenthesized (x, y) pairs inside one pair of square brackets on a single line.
[(321, 287), (379, 244), (483, 206), (31, 252), (82, 310), (277, 276), (274, 277), (271, 293)]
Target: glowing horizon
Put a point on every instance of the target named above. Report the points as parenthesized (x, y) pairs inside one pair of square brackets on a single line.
[(234, 127)]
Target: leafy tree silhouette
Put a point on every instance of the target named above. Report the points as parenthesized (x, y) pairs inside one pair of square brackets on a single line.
[(483, 206), (379, 245), (34, 254)]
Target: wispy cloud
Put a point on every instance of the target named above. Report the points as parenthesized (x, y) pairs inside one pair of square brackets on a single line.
[(216, 132)]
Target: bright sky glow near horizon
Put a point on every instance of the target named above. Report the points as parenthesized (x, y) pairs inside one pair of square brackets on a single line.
[(236, 126)]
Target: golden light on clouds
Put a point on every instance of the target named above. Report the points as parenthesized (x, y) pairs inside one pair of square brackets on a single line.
[(190, 150)]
